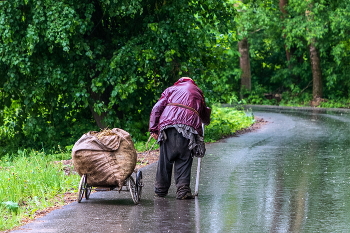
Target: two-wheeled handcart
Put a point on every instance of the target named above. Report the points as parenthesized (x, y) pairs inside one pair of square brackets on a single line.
[(106, 161)]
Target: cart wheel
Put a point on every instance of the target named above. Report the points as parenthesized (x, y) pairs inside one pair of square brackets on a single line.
[(133, 190), (87, 192), (82, 187), (139, 183)]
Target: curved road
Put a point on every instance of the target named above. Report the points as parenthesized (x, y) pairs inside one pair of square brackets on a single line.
[(292, 175)]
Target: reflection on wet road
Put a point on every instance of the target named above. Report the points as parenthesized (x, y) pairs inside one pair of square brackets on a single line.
[(290, 176)]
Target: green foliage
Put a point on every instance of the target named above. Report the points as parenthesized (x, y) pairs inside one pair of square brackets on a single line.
[(150, 144), (67, 67), (225, 122), (11, 206), (290, 99), (36, 132), (274, 34), (30, 181), (336, 103)]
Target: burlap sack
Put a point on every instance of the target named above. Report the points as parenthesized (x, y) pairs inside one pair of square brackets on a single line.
[(107, 159)]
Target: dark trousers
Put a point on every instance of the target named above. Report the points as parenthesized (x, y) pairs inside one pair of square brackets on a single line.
[(173, 152)]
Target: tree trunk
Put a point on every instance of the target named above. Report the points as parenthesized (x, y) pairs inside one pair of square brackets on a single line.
[(315, 62), (316, 71), (282, 6), (244, 63), (98, 117)]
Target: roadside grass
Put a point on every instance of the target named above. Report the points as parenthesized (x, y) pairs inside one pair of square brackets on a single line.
[(226, 121), (31, 181)]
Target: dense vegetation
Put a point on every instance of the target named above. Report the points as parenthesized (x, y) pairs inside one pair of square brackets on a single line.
[(298, 51), (69, 67)]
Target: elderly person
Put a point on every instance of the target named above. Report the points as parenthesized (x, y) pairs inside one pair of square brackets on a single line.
[(176, 122)]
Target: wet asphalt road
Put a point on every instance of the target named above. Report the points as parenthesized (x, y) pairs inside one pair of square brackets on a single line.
[(292, 175)]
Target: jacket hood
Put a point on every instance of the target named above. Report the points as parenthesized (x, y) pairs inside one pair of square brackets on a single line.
[(184, 79)]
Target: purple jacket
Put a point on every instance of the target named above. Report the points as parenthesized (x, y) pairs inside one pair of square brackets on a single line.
[(187, 106)]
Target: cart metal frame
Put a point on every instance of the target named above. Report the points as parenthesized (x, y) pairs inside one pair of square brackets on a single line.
[(134, 186)]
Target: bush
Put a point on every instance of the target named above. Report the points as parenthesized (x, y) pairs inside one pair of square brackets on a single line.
[(225, 122)]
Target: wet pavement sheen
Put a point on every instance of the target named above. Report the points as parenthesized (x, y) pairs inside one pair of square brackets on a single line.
[(292, 175)]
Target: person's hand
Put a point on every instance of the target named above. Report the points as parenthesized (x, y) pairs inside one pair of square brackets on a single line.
[(154, 135)]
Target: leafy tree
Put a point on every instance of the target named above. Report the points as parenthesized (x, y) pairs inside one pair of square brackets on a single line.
[(301, 48), (243, 46), (65, 64), (306, 12), (256, 27)]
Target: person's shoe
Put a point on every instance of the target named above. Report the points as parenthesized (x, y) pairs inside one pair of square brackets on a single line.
[(159, 195), (186, 196), (184, 192)]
